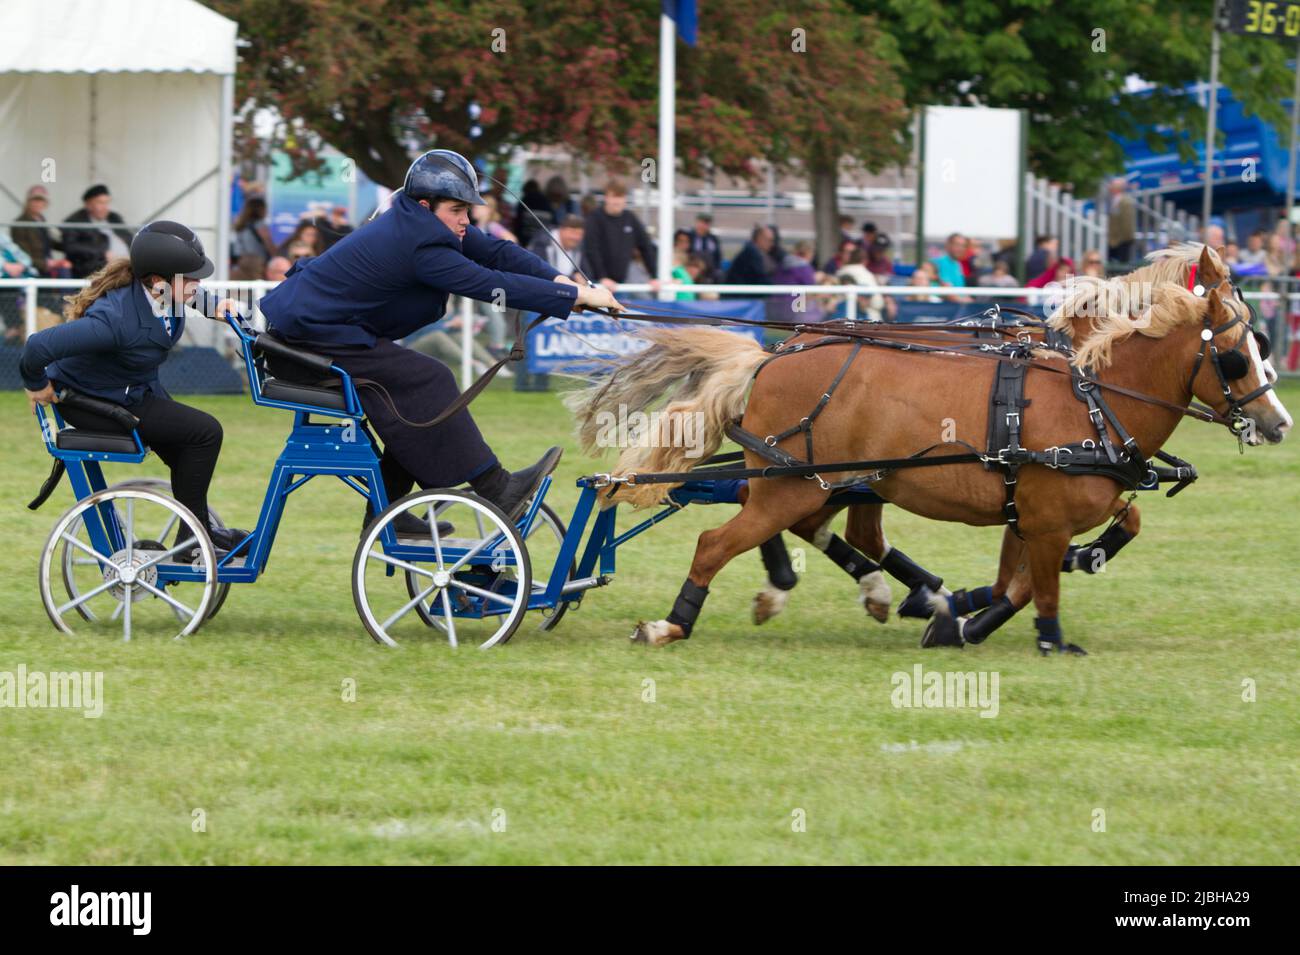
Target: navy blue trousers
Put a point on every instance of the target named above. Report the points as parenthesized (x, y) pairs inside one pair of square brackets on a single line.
[(419, 387)]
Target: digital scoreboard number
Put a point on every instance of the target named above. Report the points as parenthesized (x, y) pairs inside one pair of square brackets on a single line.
[(1271, 18)]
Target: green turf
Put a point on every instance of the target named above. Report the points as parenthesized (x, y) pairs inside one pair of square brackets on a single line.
[(550, 734)]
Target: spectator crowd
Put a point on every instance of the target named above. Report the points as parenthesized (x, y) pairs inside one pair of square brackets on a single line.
[(603, 240)]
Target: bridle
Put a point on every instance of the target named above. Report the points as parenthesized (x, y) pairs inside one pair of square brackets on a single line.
[(1231, 364)]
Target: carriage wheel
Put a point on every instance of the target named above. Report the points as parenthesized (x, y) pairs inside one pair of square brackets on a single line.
[(473, 586), (545, 537), (72, 558), (129, 582)]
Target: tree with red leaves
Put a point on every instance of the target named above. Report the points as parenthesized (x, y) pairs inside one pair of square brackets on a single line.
[(380, 80)]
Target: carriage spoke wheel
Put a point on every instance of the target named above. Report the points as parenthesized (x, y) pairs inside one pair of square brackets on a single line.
[(72, 558), (545, 537), (120, 578), (471, 586)]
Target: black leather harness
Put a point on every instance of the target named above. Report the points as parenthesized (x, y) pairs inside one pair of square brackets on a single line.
[(1123, 463), (1113, 453)]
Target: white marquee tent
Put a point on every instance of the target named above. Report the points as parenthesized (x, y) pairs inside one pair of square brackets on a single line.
[(136, 94)]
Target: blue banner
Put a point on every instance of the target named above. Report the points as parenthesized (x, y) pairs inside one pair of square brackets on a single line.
[(579, 345), (683, 12)]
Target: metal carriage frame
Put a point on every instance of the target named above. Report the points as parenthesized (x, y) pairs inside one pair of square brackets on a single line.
[(329, 436), (341, 446)]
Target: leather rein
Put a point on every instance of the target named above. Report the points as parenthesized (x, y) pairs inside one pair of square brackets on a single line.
[(869, 333)]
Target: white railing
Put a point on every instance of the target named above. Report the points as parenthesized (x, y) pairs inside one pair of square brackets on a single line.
[(1160, 223), (1051, 210), (250, 294)]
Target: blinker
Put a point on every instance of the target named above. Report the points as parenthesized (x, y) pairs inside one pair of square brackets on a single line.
[(1262, 342), (1233, 364)]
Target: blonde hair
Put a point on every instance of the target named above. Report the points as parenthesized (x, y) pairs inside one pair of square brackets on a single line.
[(1131, 294), (1172, 305), (117, 274)]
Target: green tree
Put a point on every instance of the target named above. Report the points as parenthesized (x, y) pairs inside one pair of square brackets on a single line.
[(380, 79), (818, 84), (1067, 64)]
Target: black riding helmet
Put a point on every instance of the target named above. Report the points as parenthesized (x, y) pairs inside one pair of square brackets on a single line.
[(169, 248), (443, 174)]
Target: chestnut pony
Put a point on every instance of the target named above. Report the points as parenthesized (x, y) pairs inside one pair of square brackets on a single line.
[(894, 402), (1188, 264)]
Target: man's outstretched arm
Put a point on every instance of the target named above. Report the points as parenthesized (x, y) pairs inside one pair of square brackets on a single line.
[(504, 256)]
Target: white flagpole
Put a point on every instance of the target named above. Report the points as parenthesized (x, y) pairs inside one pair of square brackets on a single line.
[(1207, 190), (666, 167)]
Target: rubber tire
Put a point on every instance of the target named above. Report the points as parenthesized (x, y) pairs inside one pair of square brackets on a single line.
[(547, 513), (517, 544)]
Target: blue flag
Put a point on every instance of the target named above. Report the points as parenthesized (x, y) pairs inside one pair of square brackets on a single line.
[(683, 12)]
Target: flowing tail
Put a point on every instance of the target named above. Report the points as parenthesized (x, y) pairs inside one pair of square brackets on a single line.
[(704, 376)]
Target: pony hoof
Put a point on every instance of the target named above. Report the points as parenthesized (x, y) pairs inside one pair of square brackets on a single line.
[(657, 634), (943, 631), (874, 594), (769, 602)]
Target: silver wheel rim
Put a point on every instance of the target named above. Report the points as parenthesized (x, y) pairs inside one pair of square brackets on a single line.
[(71, 558), (545, 519), (495, 541), (130, 573)]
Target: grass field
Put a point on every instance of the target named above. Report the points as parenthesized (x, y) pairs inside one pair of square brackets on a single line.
[(546, 751)]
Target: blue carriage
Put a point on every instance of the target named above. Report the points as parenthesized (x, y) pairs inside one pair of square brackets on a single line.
[(127, 556)]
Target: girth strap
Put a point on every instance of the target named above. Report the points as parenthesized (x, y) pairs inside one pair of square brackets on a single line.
[(753, 442), (1006, 402)]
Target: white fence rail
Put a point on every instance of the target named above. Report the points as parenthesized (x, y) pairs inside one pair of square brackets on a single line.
[(1160, 222), (250, 294), (1051, 210), (1082, 225)]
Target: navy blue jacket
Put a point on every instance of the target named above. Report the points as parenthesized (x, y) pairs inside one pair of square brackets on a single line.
[(393, 276), (112, 352)]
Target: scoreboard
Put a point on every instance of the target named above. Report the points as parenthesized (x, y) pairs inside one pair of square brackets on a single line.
[(1279, 19)]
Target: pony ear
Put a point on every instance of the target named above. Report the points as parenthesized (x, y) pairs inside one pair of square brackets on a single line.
[(1217, 309), (1208, 271)]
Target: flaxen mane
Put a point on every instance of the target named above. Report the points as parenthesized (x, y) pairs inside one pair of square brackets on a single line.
[(1167, 265), (1095, 336), (1131, 294)]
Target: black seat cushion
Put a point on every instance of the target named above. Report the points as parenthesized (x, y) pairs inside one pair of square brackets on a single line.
[(304, 394), (74, 439)]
